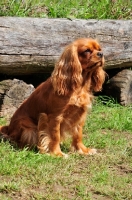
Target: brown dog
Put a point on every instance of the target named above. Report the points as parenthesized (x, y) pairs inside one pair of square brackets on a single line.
[(60, 104)]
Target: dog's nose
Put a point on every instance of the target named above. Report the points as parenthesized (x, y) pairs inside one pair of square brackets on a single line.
[(100, 54)]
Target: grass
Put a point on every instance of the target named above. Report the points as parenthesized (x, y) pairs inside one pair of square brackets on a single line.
[(84, 9), (28, 175)]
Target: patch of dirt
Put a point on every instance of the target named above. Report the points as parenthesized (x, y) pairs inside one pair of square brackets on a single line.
[(122, 169), (69, 193), (98, 196)]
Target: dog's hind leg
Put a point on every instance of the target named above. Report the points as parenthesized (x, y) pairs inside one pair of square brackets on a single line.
[(43, 136)]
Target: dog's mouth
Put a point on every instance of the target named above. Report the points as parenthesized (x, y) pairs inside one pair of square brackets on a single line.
[(94, 66)]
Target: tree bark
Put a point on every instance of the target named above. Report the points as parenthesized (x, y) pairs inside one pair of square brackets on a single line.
[(120, 87), (33, 45)]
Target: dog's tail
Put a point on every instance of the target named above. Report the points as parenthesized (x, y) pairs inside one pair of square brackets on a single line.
[(4, 133), (4, 129)]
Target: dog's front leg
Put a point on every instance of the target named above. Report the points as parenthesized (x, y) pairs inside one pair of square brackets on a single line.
[(77, 144), (54, 131), (49, 134)]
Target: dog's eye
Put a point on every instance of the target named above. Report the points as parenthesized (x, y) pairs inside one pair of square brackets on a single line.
[(88, 51)]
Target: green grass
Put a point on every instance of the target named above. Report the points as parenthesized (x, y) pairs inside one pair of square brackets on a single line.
[(105, 176), (84, 9)]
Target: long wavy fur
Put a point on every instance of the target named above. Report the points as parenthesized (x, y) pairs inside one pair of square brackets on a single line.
[(67, 75)]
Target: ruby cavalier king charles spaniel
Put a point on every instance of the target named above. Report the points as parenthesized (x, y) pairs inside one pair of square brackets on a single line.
[(60, 104)]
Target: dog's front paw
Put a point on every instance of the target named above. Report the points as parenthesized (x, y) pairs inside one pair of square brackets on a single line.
[(65, 155), (92, 151)]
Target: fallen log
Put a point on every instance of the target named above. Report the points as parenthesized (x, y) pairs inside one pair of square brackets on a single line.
[(120, 87), (32, 45)]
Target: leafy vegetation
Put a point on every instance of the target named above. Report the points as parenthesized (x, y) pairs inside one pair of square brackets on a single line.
[(107, 175), (84, 9)]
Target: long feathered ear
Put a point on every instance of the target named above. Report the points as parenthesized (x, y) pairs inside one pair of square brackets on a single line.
[(97, 79), (67, 75)]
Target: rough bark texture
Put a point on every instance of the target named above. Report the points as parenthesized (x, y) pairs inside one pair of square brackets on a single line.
[(120, 87), (12, 94), (32, 45)]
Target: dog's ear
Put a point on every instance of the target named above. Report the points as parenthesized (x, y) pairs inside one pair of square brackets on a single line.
[(67, 75), (97, 79)]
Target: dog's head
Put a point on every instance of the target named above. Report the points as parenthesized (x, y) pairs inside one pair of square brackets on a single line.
[(81, 55), (89, 53)]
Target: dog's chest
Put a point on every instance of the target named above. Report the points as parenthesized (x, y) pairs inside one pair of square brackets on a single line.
[(81, 100), (76, 110), (78, 105)]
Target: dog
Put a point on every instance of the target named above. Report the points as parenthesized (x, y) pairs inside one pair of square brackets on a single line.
[(61, 103)]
